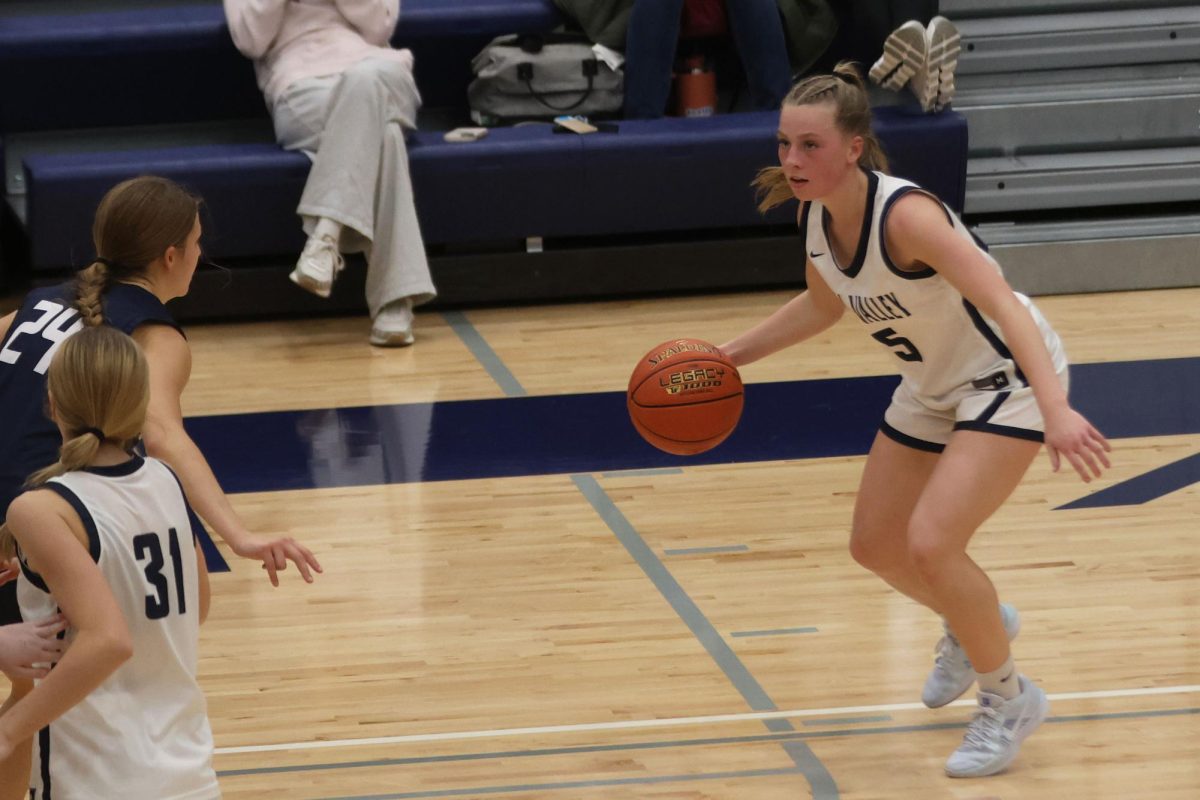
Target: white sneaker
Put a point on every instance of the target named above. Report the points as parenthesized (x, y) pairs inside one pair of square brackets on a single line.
[(318, 267), (904, 53), (933, 82), (392, 326), (952, 671), (997, 730)]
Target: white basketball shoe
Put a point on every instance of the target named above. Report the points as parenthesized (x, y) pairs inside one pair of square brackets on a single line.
[(952, 671), (997, 730)]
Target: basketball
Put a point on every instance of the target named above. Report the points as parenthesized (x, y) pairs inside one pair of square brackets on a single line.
[(685, 397)]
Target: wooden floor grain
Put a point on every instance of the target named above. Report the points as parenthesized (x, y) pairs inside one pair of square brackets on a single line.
[(495, 638)]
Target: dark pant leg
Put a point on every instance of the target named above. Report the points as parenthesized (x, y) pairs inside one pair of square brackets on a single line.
[(649, 55), (874, 20), (758, 35), (920, 10)]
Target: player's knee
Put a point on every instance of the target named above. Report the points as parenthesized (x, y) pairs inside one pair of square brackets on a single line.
[(928, 554), (866, 550)]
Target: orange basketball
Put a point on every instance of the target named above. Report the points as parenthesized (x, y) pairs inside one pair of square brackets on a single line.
[(685, 397)]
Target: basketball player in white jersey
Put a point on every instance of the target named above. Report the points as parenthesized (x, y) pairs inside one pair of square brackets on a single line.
[(984, 383), (104, 728), (147, 238)]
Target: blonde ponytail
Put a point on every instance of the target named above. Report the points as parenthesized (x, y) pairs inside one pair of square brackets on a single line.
[(99, 387), (75, 453)]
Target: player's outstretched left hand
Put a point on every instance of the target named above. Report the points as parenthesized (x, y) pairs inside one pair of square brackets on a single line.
[(275, 553), (1069, 435)]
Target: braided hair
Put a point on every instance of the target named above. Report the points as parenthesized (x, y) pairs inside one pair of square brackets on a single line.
[(135, 223)]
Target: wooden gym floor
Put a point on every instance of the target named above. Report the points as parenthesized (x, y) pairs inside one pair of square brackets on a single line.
[(500, 620)]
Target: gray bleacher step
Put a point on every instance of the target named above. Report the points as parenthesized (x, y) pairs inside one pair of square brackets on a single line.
[(1070, 85), (1098, 255), (1081, 180), (1000, 234), (1149, 105), (969, 9), (96, 140), (1151, 120), (1056, 41)]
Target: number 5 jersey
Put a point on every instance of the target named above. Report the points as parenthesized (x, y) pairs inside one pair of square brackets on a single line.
[(942, 342), (144, 733)]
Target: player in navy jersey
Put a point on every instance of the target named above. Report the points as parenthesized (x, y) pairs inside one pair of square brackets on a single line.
[(147, 238), (984, 383), (105, 535)]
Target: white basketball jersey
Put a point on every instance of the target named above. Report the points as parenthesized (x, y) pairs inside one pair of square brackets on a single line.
[(143, 734), (941, 342)]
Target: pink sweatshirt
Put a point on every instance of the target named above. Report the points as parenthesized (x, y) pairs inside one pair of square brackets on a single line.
[(290, 40)]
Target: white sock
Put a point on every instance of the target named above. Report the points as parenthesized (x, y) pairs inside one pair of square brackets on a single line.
[(327, 229), (1003, 681)]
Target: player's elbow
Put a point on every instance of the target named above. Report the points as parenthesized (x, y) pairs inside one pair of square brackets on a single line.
[(115, 645), (159, 436)]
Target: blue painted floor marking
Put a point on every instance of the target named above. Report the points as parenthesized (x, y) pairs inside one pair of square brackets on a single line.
[(591, 433), (1146, 487)]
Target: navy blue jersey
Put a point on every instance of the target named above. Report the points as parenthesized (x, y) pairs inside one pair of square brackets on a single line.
[(28, 439)]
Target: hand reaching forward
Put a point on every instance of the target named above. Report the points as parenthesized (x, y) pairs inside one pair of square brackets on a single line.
[(27, 643), (275, 553), (1069, 435)]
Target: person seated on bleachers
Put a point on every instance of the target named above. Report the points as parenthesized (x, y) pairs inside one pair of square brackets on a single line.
[(649, 32), (338, 92)]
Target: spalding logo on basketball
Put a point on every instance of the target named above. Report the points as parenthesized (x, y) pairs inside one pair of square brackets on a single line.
[(685, 397)]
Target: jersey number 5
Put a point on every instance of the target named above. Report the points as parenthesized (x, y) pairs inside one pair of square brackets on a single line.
[(904, 349), (158, 605), (55, 324)]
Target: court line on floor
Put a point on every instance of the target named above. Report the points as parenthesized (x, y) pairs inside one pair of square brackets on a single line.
[(712, 719), (668, 744), (484, 353), (702, 551), (820, 781), (773, 632), (534, 787)]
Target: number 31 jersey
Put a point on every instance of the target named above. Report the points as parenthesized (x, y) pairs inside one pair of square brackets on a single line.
[(144, 732), (942, 343), (28, 439)]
